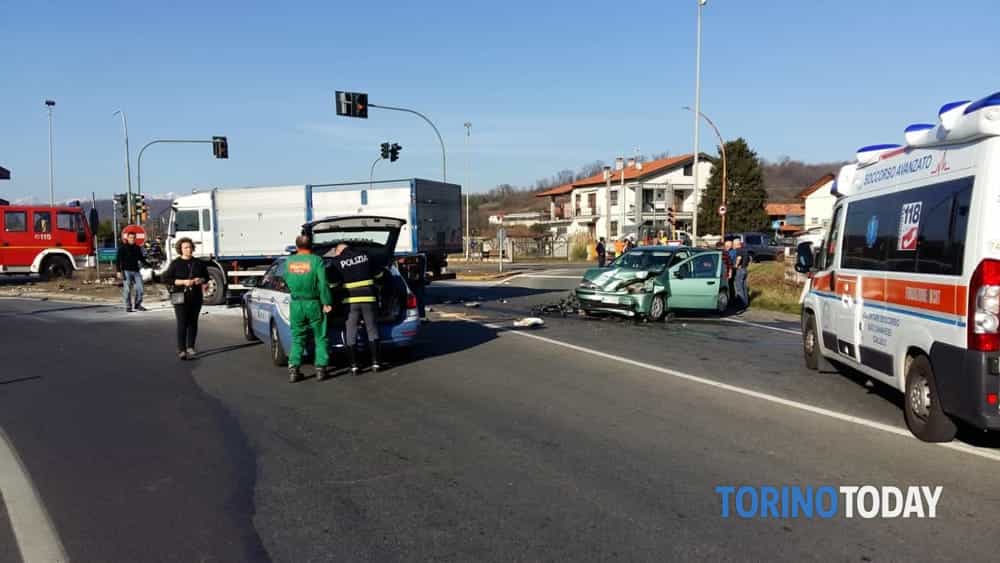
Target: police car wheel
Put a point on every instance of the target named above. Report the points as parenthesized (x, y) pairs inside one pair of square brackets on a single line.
[(921, 408), (810, 343), (278, 355), (247, 329)]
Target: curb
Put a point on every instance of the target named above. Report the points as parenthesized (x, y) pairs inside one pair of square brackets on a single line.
[(485, 277)]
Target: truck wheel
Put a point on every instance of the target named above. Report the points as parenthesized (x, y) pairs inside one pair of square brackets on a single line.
[(278, 355), (56, 267), (657, 308), (810, 342), (215, 287), (247, 327), (921, 407)]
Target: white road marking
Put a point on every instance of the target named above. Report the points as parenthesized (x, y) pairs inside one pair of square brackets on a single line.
[(742, 322), (964, 448), (36, 537)]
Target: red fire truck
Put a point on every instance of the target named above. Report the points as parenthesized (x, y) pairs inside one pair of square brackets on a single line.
[(44, 240)]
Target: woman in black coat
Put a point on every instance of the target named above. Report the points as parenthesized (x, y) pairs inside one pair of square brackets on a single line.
[(185, 277)]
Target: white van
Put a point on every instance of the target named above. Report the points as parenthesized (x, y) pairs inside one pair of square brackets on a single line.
[(905, 287)]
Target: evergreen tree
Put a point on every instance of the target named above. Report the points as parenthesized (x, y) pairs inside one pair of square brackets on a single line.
[(746, 196)]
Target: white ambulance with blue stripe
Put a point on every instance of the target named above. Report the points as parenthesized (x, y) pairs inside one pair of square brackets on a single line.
[(905, 287)]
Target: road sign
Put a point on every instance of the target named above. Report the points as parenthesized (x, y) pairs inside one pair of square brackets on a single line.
[(722, 210), (140, 233)]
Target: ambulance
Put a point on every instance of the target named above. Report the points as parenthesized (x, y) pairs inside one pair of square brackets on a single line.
[(905, 286)]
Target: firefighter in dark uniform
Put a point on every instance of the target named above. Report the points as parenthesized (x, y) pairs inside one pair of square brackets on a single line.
[(305, 276), (359, 281)]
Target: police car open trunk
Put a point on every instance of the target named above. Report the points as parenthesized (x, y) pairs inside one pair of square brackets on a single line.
[(377, 237)]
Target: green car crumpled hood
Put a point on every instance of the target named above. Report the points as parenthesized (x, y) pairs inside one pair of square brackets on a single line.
[(613, 279)]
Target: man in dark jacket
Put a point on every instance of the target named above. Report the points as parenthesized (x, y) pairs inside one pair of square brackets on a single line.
[(601, 253), (128, 263), (358, 279)]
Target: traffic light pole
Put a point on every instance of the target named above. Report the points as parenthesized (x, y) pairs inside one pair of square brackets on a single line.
[(138, 164), (444, 162), (371, 175)]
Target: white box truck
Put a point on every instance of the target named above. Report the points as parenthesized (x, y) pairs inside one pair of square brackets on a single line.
[(240, 231)]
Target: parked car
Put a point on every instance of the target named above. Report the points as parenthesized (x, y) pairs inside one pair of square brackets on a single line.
[(266, 305), (650, 280), (760, 246)]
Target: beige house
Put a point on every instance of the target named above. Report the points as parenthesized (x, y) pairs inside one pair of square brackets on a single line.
[(636, 195)]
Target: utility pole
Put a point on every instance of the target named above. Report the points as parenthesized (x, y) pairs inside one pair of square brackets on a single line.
[(128, 164), (52, 192), (468, 186)]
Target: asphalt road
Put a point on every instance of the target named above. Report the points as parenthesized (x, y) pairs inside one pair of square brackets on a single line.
[(585, 440)]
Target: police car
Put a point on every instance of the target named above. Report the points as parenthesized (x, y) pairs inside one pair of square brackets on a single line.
[(266, 305), (905, 286)]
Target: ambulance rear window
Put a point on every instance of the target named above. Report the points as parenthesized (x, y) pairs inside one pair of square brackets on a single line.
[(936, 216)]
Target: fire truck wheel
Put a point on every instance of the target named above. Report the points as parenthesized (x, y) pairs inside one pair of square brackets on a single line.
[(922, 408), (215, 287), (56, 267)]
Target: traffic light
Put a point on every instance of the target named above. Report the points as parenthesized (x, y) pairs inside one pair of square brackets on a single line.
[(220, 147), (385, 150), (352, 104), (394, 152), (670, 216), (139, 202)]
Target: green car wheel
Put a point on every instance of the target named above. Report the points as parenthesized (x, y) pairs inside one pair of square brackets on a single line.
[(657, 308)]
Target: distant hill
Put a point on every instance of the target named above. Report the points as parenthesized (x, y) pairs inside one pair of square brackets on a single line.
[(785, 178)]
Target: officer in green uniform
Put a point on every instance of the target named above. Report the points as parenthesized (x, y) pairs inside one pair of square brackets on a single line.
[(311, 301)]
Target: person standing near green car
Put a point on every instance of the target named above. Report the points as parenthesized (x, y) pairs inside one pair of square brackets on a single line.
[(305, 275)]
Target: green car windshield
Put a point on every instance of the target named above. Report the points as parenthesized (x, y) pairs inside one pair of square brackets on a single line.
[(650, 260)]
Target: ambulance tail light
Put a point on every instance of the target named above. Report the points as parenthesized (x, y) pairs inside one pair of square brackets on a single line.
[(984, 307)]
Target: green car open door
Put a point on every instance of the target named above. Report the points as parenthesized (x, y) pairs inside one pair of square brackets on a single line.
[(697, 283)]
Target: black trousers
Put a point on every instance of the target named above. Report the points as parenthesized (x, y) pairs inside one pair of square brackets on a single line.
[(357, 312), (187, 323)]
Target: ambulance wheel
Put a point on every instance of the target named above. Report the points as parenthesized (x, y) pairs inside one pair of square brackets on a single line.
[(922, 408), (278, 355), (56, 267), (215, 287), (810, 343), (247, 327), (657, 308)]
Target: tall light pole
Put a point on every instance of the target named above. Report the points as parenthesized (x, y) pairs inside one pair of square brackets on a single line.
[(722, 147), (697, 122), (52, 192), (128, 164), (607, 202), (468, 186)]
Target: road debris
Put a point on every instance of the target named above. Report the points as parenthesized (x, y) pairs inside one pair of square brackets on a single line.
[(569, 305), (528, 322), (472, 304)]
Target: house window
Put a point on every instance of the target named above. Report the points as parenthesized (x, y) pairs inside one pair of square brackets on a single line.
[(614, 229), (689, 169), (614, 197)]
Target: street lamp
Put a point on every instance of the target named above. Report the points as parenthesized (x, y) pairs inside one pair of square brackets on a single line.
[(697, 122), (468, 186), (52, 193), (722, 147), (607, 202)]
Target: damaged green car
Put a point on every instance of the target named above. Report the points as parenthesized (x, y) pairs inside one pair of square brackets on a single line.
[(648, 281)]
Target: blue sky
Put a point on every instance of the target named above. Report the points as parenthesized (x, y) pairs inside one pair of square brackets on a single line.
[(547, 85)]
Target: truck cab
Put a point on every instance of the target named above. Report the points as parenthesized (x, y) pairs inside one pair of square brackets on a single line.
[(45, 240)]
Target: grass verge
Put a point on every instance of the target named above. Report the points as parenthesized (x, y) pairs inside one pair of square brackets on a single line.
[(769, 289)]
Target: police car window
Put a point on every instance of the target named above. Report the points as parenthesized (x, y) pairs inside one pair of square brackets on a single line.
[(186, 220), (43, 221), (379, 237), (268, 280), (15, 221)]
